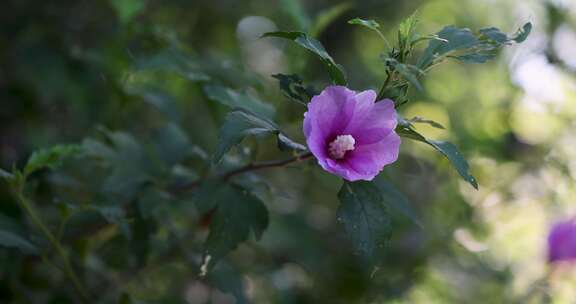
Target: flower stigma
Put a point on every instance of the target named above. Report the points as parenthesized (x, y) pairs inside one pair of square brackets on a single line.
[(342, 144)]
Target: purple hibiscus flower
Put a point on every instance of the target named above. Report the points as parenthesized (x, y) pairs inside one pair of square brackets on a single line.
[(562, 242), (350, 133)]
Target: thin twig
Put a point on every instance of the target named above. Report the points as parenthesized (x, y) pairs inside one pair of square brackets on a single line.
[(29, 208), (247, 168), (385, 85), (269, 164)]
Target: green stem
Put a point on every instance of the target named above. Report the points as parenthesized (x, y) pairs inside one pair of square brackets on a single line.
[(385, 85), (29, 208)]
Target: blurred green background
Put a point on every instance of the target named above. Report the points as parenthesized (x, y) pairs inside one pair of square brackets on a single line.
[(71, 69)]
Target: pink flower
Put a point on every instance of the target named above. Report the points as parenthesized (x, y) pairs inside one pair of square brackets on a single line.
[(562, 242), (350, 134)]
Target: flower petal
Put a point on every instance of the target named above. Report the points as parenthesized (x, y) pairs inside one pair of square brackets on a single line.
[(562, 242), (332, 110), (369, 160), (372, 121)]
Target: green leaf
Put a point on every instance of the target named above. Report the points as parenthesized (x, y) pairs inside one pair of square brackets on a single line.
[(408, 71), (463, 45), (365, 219), (328, 16), (371, 24), (52, 157), (238, 213), (418, 119), (447, 149), (475, 58), (242, 100), (406, 31), (456, 158), (116, 215), (237, 126), (494, 34), (335, 70), (458, 39), (172, 144), (240, 124), (13, 240), (96, 149), (287, 144), (228, 280), (393, 197), (127, 9), (172, 60), (522, 33), (129, 166), (292, 86)]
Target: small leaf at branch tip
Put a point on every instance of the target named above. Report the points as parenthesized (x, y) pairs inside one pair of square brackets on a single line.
[(418, 119), (50, 157), (365, 22)]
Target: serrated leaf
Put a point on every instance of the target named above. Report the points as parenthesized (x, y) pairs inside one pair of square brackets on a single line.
[(13, 240), (50, 157), (238, 213), (447, 149), (335, 70), (328, 16), (406, 31), (393, 197), (365, 219), (292, 86), (466, 46), (240, 124), (228, 280), (458, 39), (242, 100)]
